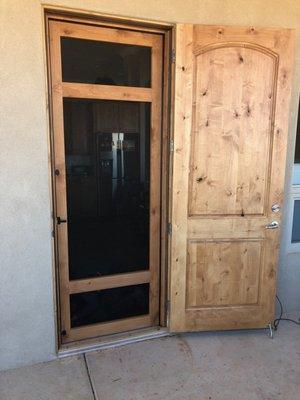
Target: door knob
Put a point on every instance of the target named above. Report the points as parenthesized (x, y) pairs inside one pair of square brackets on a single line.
[(272, 225)]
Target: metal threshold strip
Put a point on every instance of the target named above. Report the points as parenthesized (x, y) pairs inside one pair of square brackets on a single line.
[(110, 341)]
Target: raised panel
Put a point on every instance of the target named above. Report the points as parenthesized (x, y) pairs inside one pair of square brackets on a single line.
[(223, 273), (233, 104)]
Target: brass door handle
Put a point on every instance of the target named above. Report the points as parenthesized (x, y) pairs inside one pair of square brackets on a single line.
[(272, 225)]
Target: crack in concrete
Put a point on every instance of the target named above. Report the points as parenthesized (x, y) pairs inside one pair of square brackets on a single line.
[(94, 392)]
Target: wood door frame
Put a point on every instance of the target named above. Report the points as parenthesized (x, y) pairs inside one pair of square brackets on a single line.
[(166, 30)]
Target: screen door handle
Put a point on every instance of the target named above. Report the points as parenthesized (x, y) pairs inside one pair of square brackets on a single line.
[(272, 225), (60, 220)]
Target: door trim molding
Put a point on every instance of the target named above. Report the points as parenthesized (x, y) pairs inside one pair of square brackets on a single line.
[(106, 19)]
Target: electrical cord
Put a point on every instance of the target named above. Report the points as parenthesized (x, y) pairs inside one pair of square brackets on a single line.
[(277, 320)]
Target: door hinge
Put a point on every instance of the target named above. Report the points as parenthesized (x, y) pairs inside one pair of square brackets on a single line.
[(169, 228), (171, 145), (173, 56), (167, 307)]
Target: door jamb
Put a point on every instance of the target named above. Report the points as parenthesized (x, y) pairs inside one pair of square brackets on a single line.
[(167, 31)]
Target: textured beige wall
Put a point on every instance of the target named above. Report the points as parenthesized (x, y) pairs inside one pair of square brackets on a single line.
[(27, 330)]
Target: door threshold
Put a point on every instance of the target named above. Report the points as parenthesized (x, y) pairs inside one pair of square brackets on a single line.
[(116, 340)]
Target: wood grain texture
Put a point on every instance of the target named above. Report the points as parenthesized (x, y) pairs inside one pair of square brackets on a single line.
[(231, 138), (155, 177), (109, 282), (103, 92), (108, 328), (102, 33), (223, 273), (60, 181), (165, 168), (230, 134), (100, 19), (179, 200)]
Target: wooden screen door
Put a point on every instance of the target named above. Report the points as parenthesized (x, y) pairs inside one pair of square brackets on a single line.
[(232, 93), (106, 105)]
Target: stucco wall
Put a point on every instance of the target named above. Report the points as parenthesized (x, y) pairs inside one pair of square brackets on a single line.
[(27, 320)]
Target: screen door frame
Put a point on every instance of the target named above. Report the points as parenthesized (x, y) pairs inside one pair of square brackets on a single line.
[(59, 90)]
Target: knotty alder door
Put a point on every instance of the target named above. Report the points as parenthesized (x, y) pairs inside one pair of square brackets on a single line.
[(106, 104), (231, 110)]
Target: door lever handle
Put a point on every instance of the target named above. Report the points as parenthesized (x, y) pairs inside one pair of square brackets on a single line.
[(272, 225), (60, 220)]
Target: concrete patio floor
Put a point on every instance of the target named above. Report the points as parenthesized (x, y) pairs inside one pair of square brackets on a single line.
[(240, 365)]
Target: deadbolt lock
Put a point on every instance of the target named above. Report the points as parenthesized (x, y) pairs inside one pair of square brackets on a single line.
[(275, 208)]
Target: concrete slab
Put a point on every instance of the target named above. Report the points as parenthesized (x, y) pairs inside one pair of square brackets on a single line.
[(64, 379), (244, 365), (240, 365)]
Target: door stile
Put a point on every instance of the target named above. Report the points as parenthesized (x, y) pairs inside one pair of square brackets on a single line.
[(60, 177), (280, 127), (182, 129), (155, 180)]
